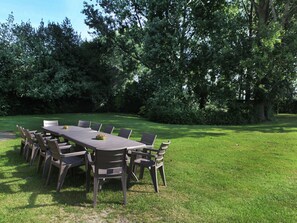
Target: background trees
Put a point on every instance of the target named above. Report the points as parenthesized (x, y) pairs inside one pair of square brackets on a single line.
[(231, 59), (176, 61), (50, 69)]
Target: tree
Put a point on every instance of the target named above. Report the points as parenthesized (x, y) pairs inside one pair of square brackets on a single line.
[(45, 69), (269, 67)]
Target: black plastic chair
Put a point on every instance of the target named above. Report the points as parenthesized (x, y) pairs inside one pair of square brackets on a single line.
[(47, 123), (63, 161), (108, 129), (107, 165), (23, 139), (125, 133), (148, 139), (31, 148), (153, 159), (45, 154), (84, 124), (96, 126)]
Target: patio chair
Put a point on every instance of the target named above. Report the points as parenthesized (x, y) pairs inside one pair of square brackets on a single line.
[(153, 159), (47, 123), (125, 133), (107, 165), (96, 126), (84, 124), (32, 147), (148, 139), (108, 129), (23, 139), (45, 154), (63, 161)]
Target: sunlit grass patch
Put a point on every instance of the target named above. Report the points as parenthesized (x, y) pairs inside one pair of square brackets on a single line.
[(214, 174)]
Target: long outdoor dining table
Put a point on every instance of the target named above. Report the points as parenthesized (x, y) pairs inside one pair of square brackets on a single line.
[(86, 137)]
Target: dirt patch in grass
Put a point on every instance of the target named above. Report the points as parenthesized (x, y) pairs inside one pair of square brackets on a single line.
[(7, 135)]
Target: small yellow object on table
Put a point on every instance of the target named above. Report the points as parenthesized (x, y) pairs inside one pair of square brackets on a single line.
[(101, 137)]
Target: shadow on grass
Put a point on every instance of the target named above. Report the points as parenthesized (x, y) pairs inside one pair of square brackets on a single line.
[(21, 179)]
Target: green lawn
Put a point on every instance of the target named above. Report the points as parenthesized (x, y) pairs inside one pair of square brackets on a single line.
[(214, 174)]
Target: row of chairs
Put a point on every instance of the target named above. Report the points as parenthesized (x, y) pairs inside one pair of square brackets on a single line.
[(61, 155), (126, 133)]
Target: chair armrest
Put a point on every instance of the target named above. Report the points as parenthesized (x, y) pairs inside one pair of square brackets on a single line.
[(63, 144), (46, 137), (150, 149), (142, 154), (33, 131), (81, 153), (65, 147)]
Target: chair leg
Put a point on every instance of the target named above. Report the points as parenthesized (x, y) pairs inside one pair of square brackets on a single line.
[(49, 174), (162, 173), (47, 162), (28, 153), (25, 151), (129, 176), (124, 187), (153, 172), (33, 155), (41, 158), (62, 173), (96, 183), (22, 147), (141, 172), (88, 177)]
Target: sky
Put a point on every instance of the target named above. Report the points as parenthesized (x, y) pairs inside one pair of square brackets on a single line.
[(48, 10)]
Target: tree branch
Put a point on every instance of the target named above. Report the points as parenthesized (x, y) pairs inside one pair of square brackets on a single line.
[(273, 11)]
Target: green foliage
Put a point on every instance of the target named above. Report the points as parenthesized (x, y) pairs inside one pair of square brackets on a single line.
[(179, 55), (211, 115), (217, 53), (46, 69), (4, 106)]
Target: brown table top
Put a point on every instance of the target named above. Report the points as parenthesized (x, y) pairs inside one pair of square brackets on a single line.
[(86, 138)]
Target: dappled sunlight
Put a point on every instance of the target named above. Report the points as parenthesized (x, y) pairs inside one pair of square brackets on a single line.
[(209, 169)]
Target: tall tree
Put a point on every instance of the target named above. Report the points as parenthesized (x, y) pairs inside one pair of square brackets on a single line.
[(269, 67)]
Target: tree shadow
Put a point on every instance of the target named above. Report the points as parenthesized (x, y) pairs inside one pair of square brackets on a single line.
[(19, 174)]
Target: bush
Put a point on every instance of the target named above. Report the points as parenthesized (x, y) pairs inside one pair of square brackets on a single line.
[(181, 114), (4, 107)]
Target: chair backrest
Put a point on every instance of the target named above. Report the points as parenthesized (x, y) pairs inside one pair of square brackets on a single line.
[(108, 129), (54, 148), (84, 124), (113, 162), (21, 131), (41, 142), (47, 123), (96, 126), (162, 150), (28, 137), (125, 133), (148, 138)]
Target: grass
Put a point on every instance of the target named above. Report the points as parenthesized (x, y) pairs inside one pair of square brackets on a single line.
[(214, 174)]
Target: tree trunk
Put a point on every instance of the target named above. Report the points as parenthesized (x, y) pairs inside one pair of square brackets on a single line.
[(268, 111), (259, 111)]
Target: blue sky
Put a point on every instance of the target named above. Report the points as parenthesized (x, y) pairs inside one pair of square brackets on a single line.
[(48, 10)]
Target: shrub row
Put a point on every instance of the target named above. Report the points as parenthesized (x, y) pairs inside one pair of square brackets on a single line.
[(209, 115)]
